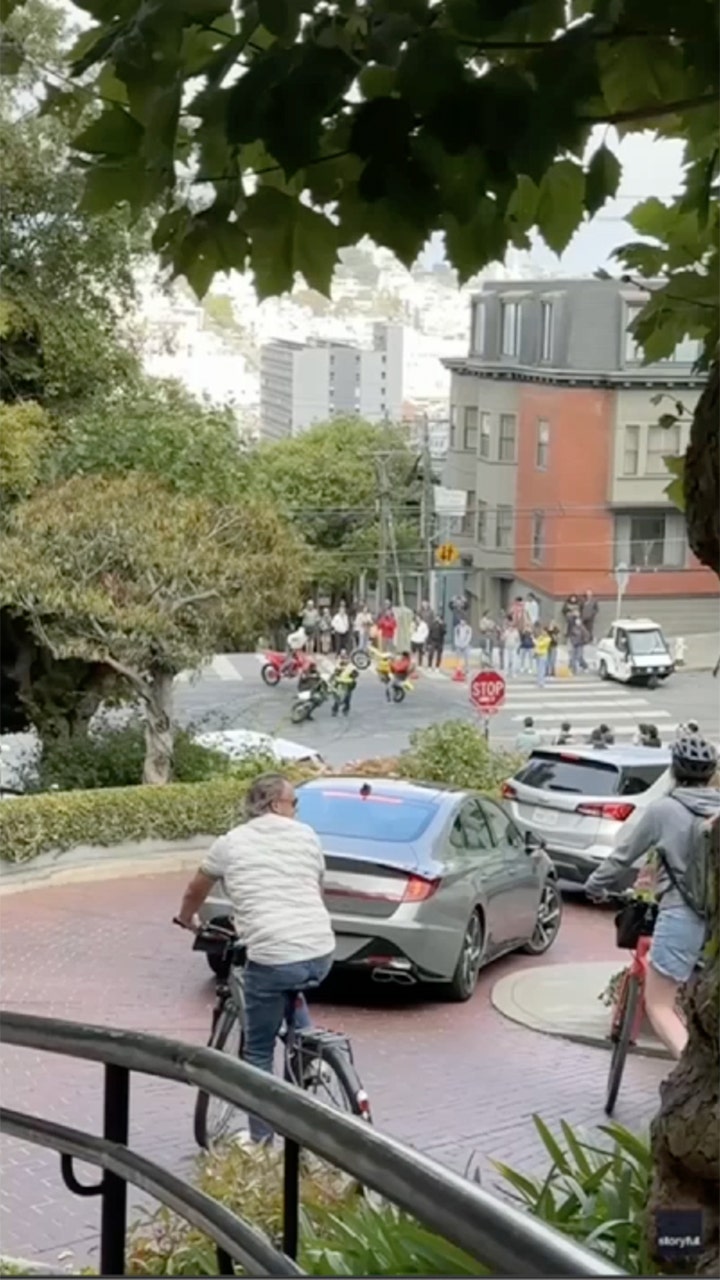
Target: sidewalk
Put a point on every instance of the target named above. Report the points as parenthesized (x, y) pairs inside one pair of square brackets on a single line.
[(563, 1000)]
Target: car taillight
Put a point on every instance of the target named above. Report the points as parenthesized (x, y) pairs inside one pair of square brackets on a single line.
[(609, 809), (508, 791), (418, 889)]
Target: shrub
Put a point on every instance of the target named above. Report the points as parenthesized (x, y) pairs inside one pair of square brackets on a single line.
[(340, 1233), (596, 1194), (456, 753), (109, 757)]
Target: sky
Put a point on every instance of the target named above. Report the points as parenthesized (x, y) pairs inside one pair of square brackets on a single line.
[(650, 167)]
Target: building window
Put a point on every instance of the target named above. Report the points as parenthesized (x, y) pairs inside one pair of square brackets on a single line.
[(470, 429), (538, 537), (481, 523), (453, 425), (547, 326), (510, 328), (468, 524), (661, 441), (631, 451), (503, 528), (507, 440), (484, 435), (650, 540), (478, 335), (542, 444)]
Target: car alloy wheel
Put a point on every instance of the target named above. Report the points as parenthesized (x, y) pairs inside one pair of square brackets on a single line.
[(547, 922), (466, 974)]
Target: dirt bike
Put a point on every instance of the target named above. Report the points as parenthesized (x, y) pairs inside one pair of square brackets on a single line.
[(283, 666), (308, 700)]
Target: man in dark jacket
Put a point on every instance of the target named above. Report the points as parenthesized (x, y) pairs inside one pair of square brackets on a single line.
[(588, 614), (436, 642)]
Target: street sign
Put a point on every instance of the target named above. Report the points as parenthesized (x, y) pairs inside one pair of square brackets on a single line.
[(487, 692), (447, 553)]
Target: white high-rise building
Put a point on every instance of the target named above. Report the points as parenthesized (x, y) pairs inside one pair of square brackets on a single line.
[(302, 383)]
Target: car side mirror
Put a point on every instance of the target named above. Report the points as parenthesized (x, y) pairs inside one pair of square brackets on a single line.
[(533, 843)]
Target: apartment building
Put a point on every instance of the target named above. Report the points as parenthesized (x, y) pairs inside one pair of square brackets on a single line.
[(555, 439), (302, 383)]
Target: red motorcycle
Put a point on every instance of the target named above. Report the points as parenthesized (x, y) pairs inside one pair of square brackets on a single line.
[(281, 666)]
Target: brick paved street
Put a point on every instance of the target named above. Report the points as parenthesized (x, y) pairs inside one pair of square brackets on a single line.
[(460, 1082)]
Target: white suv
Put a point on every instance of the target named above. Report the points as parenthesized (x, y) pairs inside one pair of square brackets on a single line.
[(577, 798)]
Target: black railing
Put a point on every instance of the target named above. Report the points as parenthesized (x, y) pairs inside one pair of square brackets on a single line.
[(507, 1241)]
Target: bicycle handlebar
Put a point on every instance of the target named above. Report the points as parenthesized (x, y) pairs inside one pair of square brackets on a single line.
[(208, 931)]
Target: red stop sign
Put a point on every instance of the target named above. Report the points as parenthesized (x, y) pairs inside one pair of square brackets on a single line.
[(487, 691)]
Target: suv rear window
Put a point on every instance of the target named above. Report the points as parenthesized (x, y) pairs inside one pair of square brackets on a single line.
[(579, 775), (389, 819), (636, 778)]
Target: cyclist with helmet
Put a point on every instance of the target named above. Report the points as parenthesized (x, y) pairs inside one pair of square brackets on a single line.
[(669, 828)]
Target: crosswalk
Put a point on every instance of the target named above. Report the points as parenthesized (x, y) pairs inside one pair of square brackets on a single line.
[(221, 668), (585, 705)]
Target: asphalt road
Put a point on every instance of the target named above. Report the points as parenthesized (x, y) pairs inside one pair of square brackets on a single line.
[(231, 695)]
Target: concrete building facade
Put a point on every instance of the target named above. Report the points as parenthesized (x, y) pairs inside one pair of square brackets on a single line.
[(302, 383), (555, 438)]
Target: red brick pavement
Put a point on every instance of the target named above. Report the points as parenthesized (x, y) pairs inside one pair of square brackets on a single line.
[(458, 1081)]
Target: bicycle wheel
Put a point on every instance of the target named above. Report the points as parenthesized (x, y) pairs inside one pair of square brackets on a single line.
[(216, 1120), (622, 1043), (330, 1076)]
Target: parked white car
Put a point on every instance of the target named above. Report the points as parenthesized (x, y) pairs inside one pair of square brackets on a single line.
[(238, 743), (635, 651)]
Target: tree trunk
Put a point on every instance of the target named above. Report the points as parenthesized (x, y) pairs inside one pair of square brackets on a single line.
[(159, 731), (685, 1134), (702, 475)]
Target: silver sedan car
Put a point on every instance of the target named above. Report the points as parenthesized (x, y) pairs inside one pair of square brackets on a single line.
[(423, 884)]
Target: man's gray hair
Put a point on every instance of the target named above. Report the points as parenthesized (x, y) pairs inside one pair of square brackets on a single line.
[(263, 794)]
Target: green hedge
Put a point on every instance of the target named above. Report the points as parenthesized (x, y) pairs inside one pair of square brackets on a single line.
[(31, 825)]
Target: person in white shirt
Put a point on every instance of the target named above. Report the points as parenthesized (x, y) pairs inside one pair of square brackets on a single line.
[(341, 627), (272, 869), (419, 638), (363, 626), (531, 610), (462, 640)]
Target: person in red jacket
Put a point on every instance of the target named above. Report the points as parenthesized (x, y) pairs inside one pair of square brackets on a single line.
[(387, 628)]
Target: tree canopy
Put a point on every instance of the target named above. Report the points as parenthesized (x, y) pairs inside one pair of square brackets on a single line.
[(326, 481), (268, 133)]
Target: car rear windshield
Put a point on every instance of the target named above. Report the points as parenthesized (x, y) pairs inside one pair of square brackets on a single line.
[(386, 819), (579, 775), (589, 777)]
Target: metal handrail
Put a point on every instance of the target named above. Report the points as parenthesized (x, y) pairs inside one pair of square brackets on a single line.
[(244, 1243), (496, 1233)]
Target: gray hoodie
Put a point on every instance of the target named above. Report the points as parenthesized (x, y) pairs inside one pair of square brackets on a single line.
[(666, 825)]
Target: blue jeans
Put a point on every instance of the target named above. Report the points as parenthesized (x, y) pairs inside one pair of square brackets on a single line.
[(267, 991), (541, 664)]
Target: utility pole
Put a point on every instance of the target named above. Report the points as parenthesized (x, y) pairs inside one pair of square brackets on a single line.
[(383, 506), (427, 515), (387, 542)]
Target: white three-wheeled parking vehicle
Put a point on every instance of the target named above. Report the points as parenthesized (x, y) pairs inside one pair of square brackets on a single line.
[(635, 651)]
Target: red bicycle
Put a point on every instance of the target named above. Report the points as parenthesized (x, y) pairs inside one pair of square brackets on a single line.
[(638, 917)]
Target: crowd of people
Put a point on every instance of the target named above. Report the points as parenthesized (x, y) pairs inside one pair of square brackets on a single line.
[(646, 735), (520, 642)]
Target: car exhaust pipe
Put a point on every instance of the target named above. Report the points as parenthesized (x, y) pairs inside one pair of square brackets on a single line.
[(402, 977)]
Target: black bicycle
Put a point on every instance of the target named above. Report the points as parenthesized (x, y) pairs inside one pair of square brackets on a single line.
[(321, 1062)]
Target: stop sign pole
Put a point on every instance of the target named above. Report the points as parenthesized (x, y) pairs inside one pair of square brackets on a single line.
[(487, 694)]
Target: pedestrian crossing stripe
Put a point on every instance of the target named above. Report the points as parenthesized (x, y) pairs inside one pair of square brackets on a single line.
[(221, 668), (590, 716)]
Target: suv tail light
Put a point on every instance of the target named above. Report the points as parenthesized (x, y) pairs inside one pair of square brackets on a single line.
[(607, 809), (508, 791), (418, 889)]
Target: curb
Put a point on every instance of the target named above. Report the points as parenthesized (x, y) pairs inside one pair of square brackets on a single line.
[(100, 864), (24, 1267), (503, 998)]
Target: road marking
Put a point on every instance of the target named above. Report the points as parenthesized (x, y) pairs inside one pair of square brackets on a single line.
[(224, 669), (543, 700), (617, 715)]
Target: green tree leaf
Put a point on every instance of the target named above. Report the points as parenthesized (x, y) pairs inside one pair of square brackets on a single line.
[(560, 203), (602, 178), (286, 237), (114, 133)]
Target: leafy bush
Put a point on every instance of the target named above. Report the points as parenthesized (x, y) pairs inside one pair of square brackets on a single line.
[(340, 1233), (456, 753), (109, 757), (596, 1194)]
